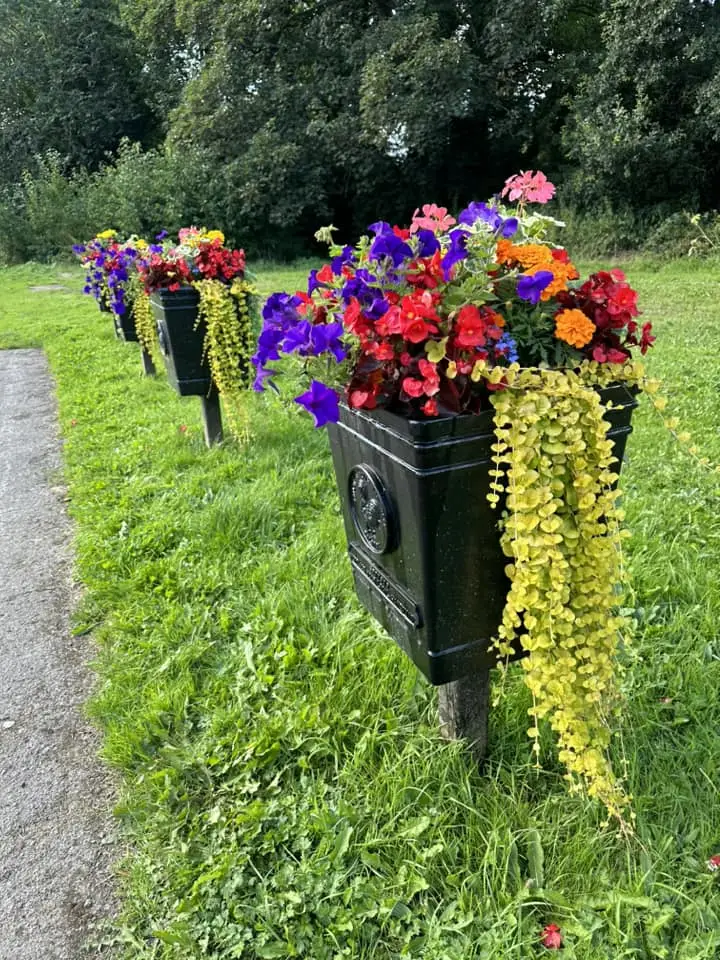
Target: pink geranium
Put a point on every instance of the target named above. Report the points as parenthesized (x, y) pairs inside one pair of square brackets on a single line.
[(529, 187), (435, 218)]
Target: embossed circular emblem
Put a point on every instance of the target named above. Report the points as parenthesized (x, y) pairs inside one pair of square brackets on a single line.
[(370, 509)]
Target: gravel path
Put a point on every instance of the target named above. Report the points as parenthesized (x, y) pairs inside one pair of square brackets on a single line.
[(55, 828)]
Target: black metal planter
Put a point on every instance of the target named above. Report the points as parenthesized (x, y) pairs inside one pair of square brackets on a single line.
[(125, 326), (422, 538), (182, 344), (182, 340)]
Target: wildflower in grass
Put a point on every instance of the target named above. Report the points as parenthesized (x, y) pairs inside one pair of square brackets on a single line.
[(713, 863), (552, 937)]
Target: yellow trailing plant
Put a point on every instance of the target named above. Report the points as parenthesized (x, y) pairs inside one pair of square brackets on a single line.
[(561, 532), (227, 312), (144, 321)]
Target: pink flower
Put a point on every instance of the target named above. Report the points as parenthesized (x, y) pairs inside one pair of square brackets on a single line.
[(532, 188), (435, 219), (551, 937)]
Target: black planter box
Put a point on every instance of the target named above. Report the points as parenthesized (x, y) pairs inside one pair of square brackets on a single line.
[(423, 540), (125, 326), (182, 340)]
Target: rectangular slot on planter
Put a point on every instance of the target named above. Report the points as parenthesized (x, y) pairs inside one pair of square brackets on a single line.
[(423, 540)]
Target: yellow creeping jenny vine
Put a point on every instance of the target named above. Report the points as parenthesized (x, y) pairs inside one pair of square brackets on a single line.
[(227, 313), (561, 533), (144, 321)]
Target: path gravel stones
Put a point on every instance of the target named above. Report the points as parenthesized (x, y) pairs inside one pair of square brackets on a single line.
[(56, 841)]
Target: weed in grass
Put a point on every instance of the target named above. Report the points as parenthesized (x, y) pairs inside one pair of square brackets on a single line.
[(285, 792)]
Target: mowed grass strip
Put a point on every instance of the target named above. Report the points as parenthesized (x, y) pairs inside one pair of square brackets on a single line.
[(284, 789)]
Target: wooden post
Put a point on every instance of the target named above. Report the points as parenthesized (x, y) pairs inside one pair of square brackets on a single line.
[(148, 365), (464, 707), (212, 418)]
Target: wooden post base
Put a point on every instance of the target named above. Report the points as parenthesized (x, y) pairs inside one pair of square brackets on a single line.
[(212, 418), (464, 707), (148, 366)]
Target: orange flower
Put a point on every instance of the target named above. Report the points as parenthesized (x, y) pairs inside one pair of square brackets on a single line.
[(574, 327), (536, 256)]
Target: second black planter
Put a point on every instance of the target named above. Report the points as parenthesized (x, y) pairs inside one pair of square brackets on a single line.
[(423, 541), (182, 340), (125, 326)]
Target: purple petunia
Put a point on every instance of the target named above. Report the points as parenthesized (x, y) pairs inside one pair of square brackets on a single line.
[(530, 287), (321, 402), (481, 211), (326, 338), (388, 245), (457, 251)]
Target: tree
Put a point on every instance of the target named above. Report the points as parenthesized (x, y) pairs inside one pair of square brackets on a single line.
[(72, 82), (644, 129)]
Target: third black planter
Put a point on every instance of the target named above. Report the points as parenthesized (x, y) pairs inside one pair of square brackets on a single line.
[(423, 541), (182, 340)]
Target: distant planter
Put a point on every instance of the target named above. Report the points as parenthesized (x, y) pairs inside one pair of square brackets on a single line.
[(125, 325), (423, 540), (182, 340)]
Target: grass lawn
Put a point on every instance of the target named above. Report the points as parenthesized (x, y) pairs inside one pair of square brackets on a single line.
[(284, 789)]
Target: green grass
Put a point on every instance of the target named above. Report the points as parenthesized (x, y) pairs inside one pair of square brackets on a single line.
[(284, 789)]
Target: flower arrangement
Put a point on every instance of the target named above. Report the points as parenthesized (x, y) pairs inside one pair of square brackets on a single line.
[(113, 276), (228, 299), (453, 316)]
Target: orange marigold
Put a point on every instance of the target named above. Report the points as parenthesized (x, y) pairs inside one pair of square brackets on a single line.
[(574, 327)]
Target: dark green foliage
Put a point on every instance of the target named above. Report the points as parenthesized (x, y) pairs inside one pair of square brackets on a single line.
[(71, 82), (269, 118), (644, 129)]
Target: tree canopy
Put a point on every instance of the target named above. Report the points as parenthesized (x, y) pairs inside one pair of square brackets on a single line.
[(297, 112)]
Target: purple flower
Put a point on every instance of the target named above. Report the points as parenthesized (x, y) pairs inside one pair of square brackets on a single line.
[(297, 338), (263, 374), (281, 309), (321, 402), (388, 245), (326, 339), (457, 251), (337, 263), (161, 235), (428, 243), (530, 287), (481, 211)]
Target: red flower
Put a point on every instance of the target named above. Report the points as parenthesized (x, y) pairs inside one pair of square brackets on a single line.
[(381, 350), (430, 408), (354, 320), (412, 387), (418, 318), (714, 863), (551, 937), (646, 339), (325, 275), (470, 327), (431, 383), (362, 398)]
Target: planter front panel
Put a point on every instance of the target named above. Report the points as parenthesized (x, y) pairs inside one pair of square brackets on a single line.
[(181, 343), (422, 538)]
